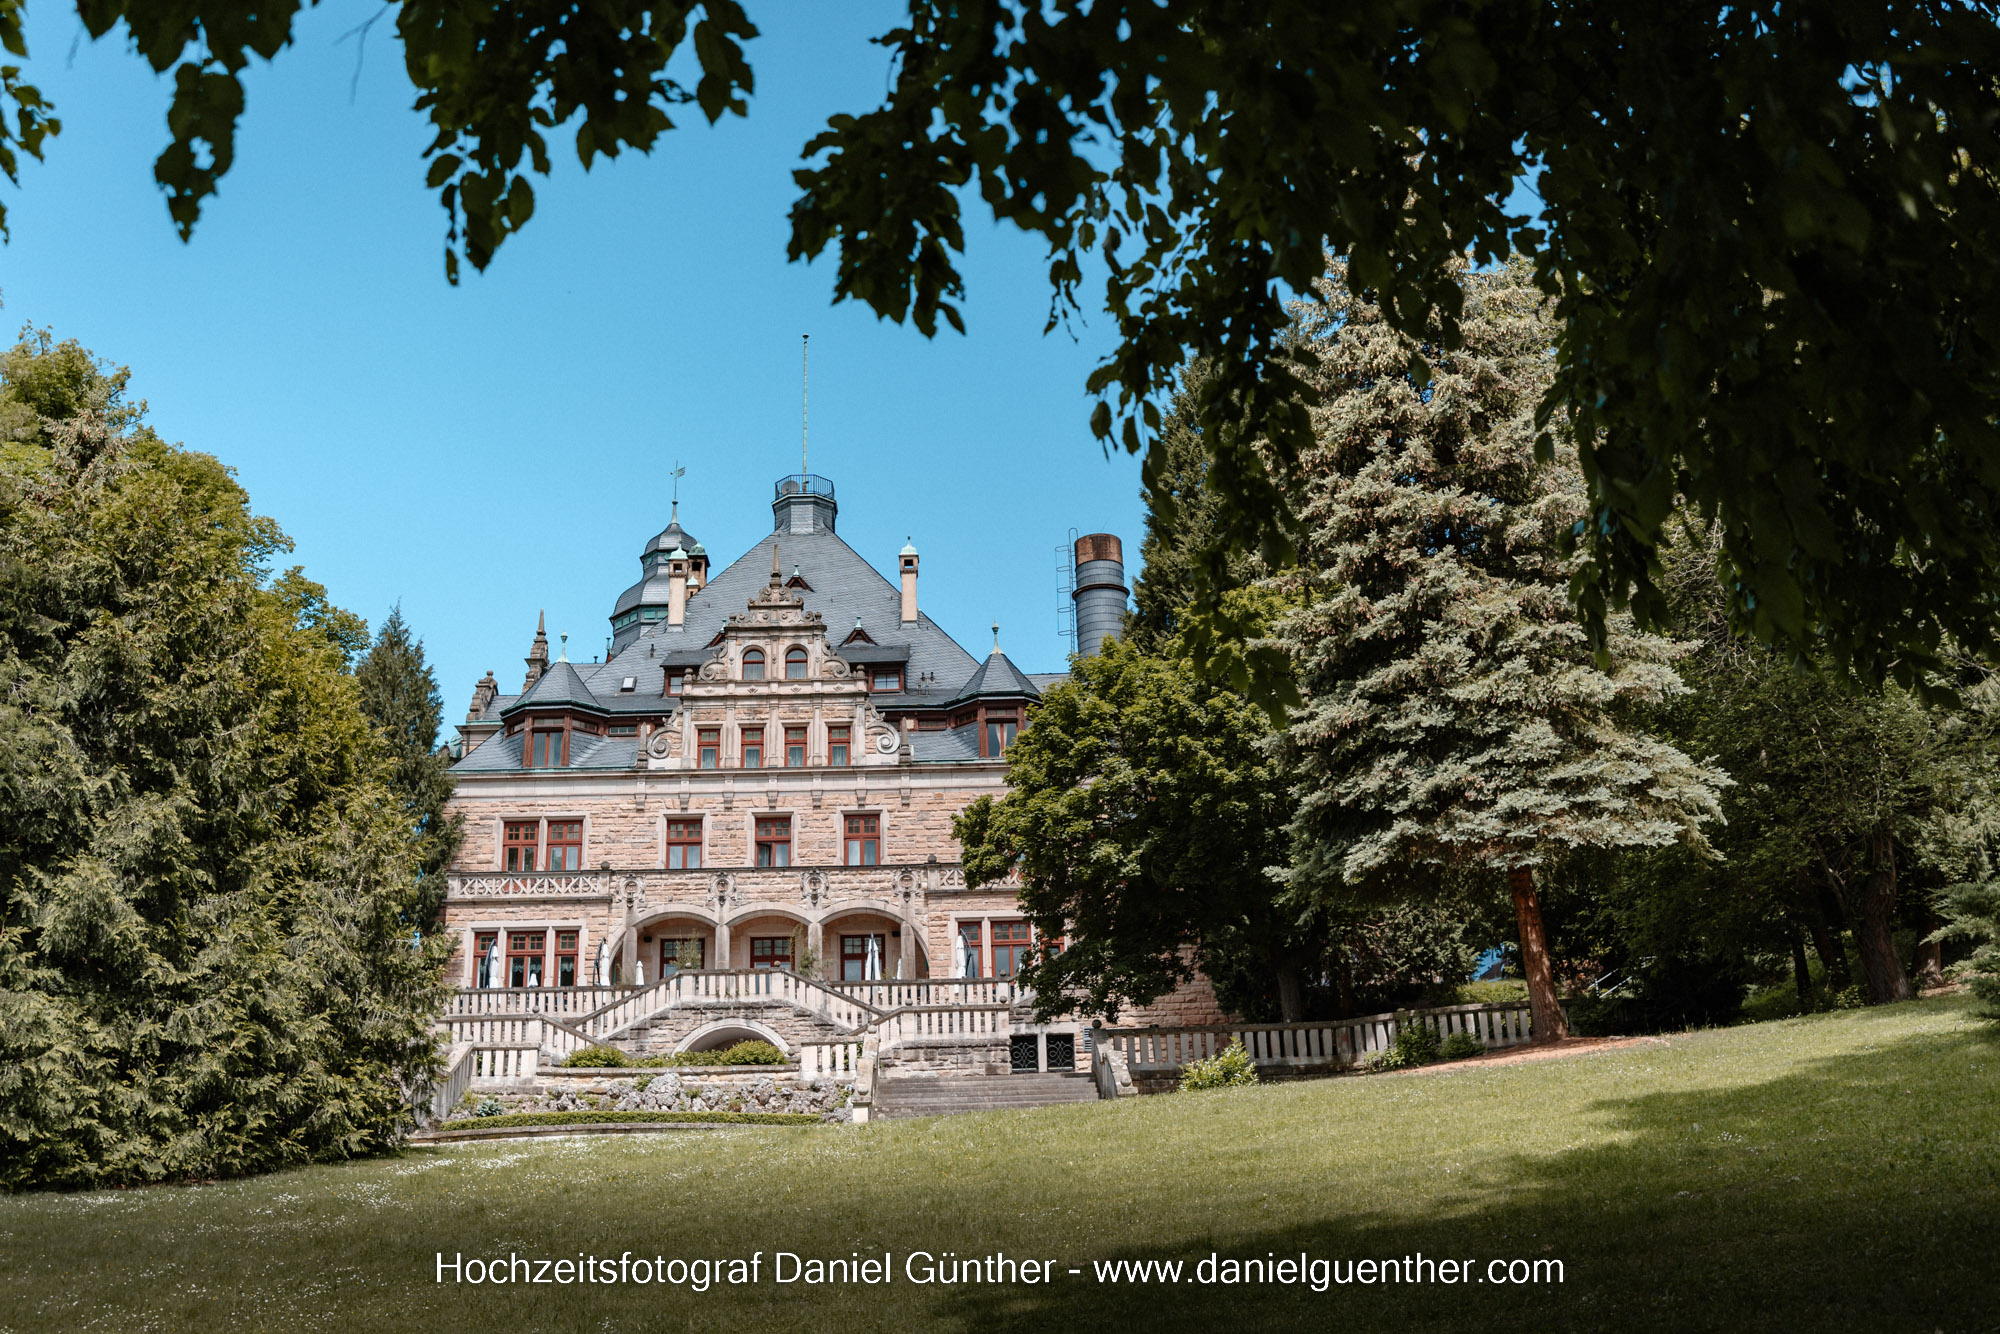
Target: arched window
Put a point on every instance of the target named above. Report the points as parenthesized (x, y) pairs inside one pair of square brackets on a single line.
[(753, 664), (795, 664)]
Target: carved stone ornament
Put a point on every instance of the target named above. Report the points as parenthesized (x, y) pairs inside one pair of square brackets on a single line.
[(722, 894), (814, 889), (664, 743), (835, 668), (885, 742), (907, 888), (715, 669)]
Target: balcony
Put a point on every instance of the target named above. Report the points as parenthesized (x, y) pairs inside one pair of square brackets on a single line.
[(824, 883)]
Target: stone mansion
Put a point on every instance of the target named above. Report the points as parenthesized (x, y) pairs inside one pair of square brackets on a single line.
[(761, 775)]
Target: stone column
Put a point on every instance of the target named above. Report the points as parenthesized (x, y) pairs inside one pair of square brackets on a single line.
[(632, 955), (815, 944), (721, 959)]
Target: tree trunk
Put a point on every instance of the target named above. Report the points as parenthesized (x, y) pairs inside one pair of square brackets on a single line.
[(1930, 953), (1832, 953), (1291, 991), (1344, 974), (1801, 971), (1873, 924), (1542, 1005)]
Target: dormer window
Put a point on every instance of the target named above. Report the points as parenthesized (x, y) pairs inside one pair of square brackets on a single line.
[(753, 664), (545, 749), (676, 678), (627, 685), (999, 736), (795, 664), (889, 679)]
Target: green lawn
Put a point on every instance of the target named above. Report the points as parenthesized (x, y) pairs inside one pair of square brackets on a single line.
[(1833, 1173)]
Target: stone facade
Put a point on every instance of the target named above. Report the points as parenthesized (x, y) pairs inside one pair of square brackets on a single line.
[(747, 782)]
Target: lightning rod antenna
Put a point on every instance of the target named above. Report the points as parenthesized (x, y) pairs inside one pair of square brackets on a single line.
[(805, 367)]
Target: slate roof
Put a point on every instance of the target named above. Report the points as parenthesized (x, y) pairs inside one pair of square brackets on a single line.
[(502, 754), (997, 677), (1043, 680), (559, 685), (844, 586)]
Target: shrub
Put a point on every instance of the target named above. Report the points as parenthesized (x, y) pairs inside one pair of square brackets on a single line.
[(595, 1058), (1228, 1068), (1459, 1046), (1416, 1044), (488, 1107), (642, 1083), (672, 1118), (747, 1053)]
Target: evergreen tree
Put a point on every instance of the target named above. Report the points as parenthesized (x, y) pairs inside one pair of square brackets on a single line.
[(399, 693), (1454, 714), (207, 965)]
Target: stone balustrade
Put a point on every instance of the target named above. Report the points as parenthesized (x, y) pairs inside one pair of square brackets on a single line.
[(948, 1025), (1324, 1043), (561, 1002), (834, 882), (833, 1060), (886, 995)]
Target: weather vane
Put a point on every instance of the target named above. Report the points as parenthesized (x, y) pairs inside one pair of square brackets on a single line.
[(678, 473)]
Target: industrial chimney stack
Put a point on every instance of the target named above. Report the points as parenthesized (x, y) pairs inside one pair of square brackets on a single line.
[(1100, 591)]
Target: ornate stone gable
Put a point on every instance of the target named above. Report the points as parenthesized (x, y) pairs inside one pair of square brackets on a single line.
[(753, 679)]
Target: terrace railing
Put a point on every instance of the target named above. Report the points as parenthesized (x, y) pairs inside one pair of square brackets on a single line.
[(1324, 1043), (886, 995)]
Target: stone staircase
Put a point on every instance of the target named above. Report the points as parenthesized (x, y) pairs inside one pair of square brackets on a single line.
[(898, 1097)]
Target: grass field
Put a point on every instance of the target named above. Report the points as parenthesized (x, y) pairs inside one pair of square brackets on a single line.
[(1838, 1172)]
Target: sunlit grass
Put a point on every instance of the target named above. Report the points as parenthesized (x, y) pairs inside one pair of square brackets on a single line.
[(1836, 1172)]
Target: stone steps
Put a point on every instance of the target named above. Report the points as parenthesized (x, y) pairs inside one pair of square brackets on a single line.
[(906, 1097)]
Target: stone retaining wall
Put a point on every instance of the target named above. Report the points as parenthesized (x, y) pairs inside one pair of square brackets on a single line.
[(735, 1089)]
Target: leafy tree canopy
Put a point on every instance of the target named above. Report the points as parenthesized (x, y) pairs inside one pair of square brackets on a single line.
[(1771, 231)]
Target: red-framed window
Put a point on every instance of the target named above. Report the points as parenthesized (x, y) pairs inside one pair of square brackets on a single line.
[(999, 736), (795, 664), (854, 957), (566, 958), (753, 748), (486, 968), (795, 747), (1013, 943), (545, 749), (680, 955), (525, 957), (836, 745), (753, 664), (864, 840), (770, 951), (774, 840), (889, 679), (683, 845), (709, 747), (565, 845), (971, 958), (521, 839), (676, 680)]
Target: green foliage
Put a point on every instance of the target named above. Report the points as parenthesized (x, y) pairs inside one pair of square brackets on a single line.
[(1461, 1046), (1972, 912), (745, 1053), (400, 696), (1416, 1044), (1454, 714), (621, 1118), (206, 963), (1142, 812), (594, 1058), (1229, 1068), (489, 1107), (1722, 191)]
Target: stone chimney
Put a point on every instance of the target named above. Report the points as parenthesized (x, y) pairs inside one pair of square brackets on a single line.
[(677, 588), (907, 559), (538, 654), (484, 692), (1100, 591)]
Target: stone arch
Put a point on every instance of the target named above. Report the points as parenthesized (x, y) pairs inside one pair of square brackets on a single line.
[(882, 912), (720, 1033), (749, 910)]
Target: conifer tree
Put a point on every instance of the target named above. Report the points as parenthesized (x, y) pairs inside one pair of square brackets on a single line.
[(399, 693), (207, 964), (1453, 712)]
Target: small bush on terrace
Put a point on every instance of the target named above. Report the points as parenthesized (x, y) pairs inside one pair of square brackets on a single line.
[(1459, 1046), (747, 1053), (1226, 1069), (595, 1058)]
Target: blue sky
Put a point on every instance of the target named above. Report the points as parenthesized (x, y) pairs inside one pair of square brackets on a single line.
[(483, 452)]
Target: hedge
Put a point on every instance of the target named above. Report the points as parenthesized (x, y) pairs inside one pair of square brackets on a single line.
[(614, 1118)]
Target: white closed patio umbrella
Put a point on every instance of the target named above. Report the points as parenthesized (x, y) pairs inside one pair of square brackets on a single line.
[(872, 972), (603, 961), (493, 963), (638, 973)]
